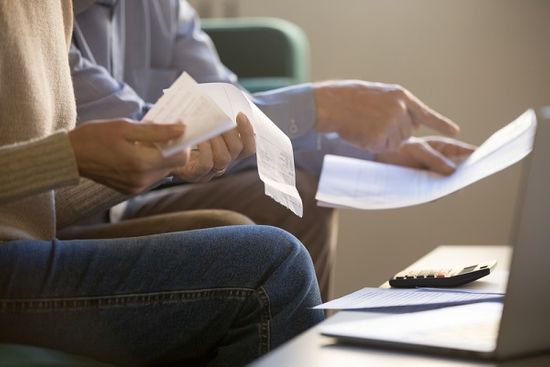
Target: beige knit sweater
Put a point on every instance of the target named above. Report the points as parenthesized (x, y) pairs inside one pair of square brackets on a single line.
[(38, 170)]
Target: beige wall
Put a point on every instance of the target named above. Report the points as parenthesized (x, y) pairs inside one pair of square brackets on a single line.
[(481, 62)]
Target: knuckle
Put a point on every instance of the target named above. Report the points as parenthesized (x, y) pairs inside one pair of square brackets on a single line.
[(236, 147), (121, 126), (223, 160), (398, 91), (123, 123)]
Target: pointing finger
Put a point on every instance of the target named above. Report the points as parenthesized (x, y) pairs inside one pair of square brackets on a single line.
[(423, 115)]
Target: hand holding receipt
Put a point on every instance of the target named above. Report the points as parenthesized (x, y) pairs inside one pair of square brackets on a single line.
[(210, 109)]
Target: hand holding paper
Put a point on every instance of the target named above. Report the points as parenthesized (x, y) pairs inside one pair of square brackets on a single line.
[(434, 153), (361, 184), (209, 110), (211, 158), (184, 101)]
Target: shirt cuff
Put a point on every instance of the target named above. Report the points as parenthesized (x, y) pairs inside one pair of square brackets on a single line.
[(292, 108)]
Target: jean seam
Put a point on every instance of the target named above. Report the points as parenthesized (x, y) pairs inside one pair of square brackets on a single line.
[(122, 300), (264, 327)]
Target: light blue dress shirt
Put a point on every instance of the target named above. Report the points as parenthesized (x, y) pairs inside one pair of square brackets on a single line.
[(126, 52)]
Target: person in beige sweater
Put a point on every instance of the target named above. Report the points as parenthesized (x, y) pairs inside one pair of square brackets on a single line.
[(214, 296)]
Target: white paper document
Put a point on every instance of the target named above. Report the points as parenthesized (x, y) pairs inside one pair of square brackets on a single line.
[(184, 101), (274, 153), (362, 184), (209, 110), (407, 299)]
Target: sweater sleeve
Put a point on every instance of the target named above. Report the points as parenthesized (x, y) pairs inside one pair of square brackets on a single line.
[(36, 166), (88, 198)]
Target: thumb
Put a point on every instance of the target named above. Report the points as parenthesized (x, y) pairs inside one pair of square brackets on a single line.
[(148, 132)]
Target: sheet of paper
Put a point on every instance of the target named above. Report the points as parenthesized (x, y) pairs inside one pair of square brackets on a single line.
[(355, 183), (394, 298), (274, 153), (185, 101)]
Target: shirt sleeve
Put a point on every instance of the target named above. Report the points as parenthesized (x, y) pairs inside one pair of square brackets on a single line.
[(194, 51), (98, 95)]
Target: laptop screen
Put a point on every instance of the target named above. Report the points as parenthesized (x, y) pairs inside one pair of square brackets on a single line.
[(525, 324)]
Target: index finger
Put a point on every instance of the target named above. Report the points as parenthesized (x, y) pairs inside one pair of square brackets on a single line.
[(148, 132), (424, 115)]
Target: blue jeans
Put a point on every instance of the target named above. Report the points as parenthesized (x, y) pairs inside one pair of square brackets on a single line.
[(220, 296)]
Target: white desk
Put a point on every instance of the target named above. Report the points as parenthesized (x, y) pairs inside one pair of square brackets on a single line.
[(315, 350)]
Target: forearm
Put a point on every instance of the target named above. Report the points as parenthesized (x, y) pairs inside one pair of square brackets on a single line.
[(293, 110)]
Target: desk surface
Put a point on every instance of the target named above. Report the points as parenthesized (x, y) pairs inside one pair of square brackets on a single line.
[(313, 349)]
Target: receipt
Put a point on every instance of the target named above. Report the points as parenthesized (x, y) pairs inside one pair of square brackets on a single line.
[(275, 157)]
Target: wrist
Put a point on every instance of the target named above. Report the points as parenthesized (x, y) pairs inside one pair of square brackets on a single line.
[(323, 95)]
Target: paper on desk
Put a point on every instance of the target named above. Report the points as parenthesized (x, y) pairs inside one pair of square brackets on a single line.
[(274, 153), (362, 184), (394, 298), (185, 101)]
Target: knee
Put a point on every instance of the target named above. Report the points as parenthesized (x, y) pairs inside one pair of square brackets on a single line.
[(280, 242), (289, 254)]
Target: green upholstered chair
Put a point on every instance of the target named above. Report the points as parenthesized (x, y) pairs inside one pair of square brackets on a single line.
[(13, 355), (265, 53)]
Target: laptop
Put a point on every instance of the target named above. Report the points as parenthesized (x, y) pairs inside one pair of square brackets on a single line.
[(518, 326)]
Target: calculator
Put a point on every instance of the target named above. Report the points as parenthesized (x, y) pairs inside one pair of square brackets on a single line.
[(445, 277)]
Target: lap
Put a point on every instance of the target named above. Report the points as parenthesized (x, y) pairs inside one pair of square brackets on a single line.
[(243, 192), (140, 299)]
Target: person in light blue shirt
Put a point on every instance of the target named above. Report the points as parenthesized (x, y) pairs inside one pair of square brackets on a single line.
[(126, 52)]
